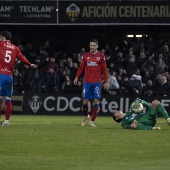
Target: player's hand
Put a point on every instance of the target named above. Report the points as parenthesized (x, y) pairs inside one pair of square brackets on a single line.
[(138, 100), (75, 81), (33, 65), (106, 86), (168, 121)]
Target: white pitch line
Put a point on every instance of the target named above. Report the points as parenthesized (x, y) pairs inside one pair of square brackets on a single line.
[(29, 123)]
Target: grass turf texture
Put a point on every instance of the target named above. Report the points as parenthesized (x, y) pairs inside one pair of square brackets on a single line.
[(60, 143)]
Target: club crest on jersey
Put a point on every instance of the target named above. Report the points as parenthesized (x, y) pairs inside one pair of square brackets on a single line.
[(92, 64), (98, 58)]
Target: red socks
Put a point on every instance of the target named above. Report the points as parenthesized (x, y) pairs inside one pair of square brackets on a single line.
[(85, 109), (95, 110), (94, 113), (8, 109)]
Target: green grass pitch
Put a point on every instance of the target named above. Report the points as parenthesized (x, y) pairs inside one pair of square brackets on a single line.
[(60, 143)]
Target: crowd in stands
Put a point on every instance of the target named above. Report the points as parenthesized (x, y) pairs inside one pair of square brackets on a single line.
[(135, 66)]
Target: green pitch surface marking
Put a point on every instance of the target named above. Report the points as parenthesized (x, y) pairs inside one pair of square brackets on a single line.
[(60, 143)]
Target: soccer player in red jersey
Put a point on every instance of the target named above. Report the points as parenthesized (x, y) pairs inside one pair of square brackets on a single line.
[(94, 65), (8, 54)]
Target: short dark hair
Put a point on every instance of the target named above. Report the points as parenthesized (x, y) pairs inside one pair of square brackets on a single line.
[(7, 35), (114, 118), (94, 40)]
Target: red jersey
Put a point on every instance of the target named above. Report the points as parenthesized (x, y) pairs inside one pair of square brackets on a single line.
[(95, 66), (8, 54)]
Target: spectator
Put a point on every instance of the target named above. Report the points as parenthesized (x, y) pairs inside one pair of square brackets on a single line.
[(131, 65), (149, 88), (161, 67), (69, 65), (79, 58), (103, 51), (67, 86), (151, 44), (122, 72), (136, 82), (74, 57), (141, 60), (62, 66), (82, 51), (120, 62), (38, 75), (17, 82), (149, 65), (30, 52), (52, 73), (147, 76), (119, 57), (112, 67), (63, 74), (50, 82), (113, 83), (143, 49), (48, 48), (163, 88), (27, 77), (166, 54), (74, 70), (130, 53), (124, 85), (42, 55)]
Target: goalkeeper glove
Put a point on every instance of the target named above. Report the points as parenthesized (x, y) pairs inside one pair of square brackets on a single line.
[(168, 121), (137, 100), (142, 102)]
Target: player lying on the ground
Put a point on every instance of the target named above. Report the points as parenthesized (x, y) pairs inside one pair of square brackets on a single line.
[(136, 119)]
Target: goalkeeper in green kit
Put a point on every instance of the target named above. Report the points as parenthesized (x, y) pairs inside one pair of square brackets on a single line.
[(136, 119)]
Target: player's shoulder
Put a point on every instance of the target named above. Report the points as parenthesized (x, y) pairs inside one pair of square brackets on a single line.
[(14, 45), (86, 54), (100, 54), (9, 45)]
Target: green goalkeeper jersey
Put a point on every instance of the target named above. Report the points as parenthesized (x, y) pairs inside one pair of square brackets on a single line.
[(129, 118), (132, 117), (147, 119)]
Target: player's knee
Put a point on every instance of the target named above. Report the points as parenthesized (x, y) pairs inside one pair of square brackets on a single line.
[(155, 102), (96, 101), (85, 102), (133, 126), (8, 97)]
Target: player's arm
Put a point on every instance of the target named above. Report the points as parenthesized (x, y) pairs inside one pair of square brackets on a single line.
[(136, 125), (126, 125), (126, 122), (23, 59), (81, 67)]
